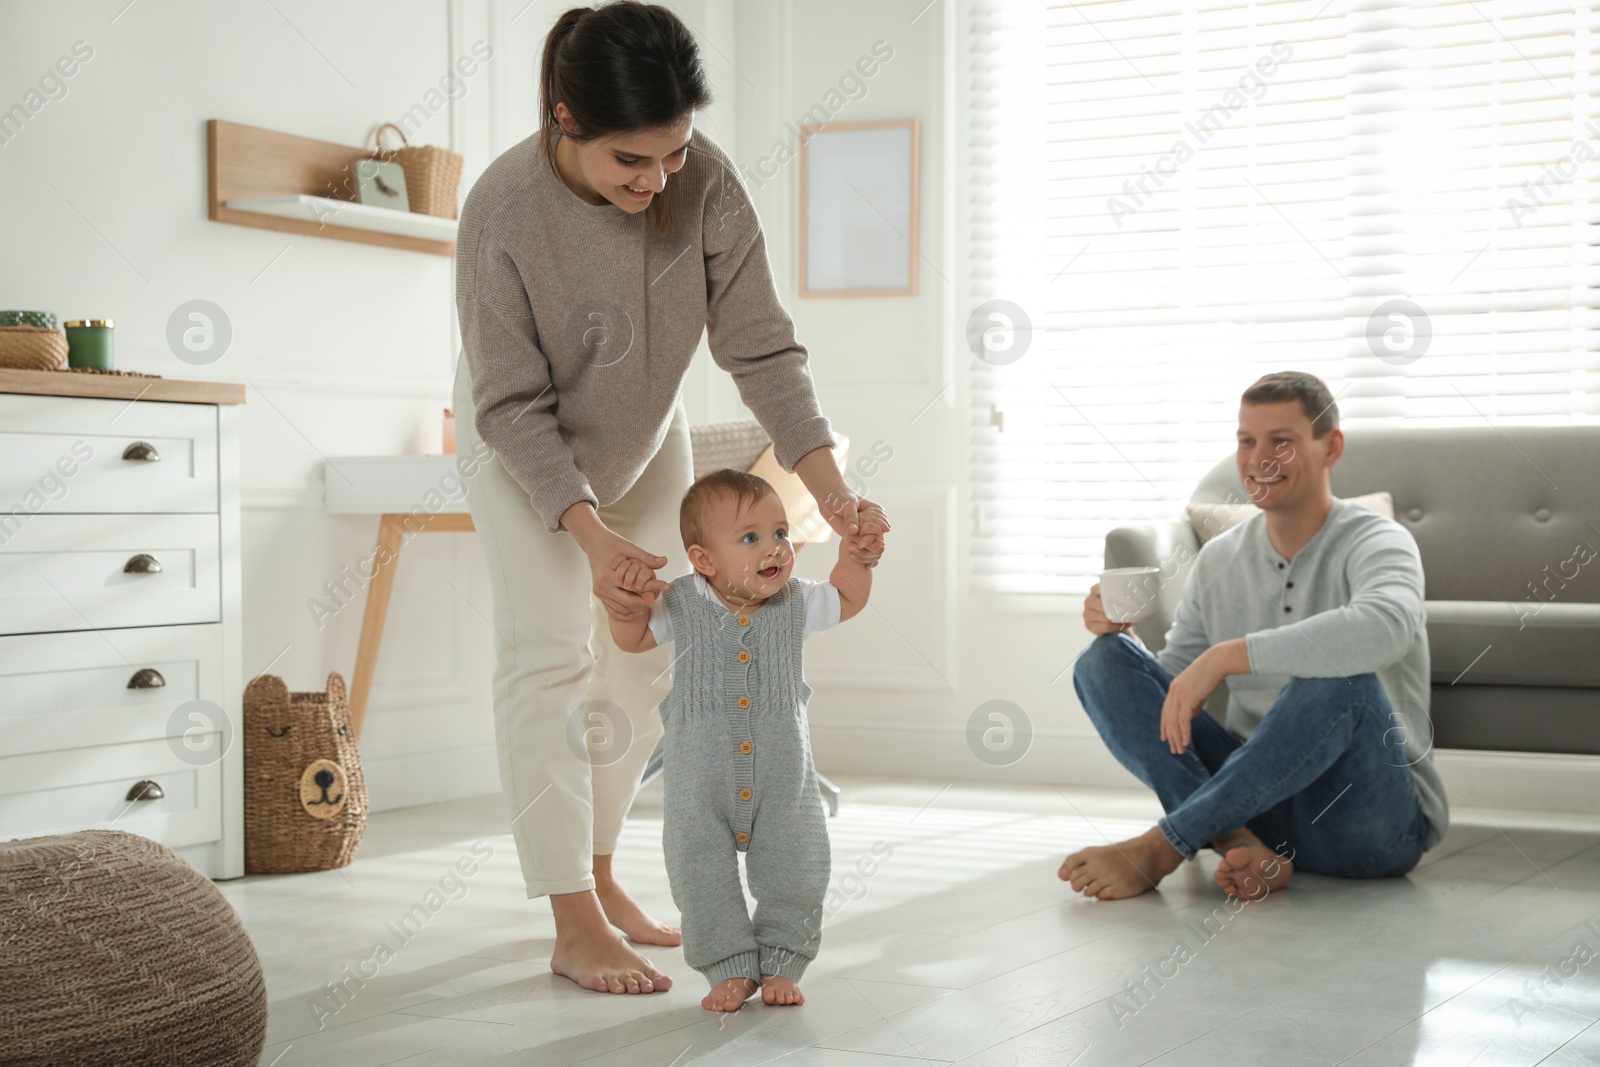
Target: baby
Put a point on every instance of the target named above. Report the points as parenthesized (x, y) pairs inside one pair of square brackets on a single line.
[(739, 776)]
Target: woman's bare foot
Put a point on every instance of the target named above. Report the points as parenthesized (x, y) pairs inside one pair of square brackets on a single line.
[(590, 953), (1249, 869), (624, 912), (1126, 869), (778, 990), (729, 995)]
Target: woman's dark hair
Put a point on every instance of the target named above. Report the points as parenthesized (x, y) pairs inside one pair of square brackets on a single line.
[(620, 67)]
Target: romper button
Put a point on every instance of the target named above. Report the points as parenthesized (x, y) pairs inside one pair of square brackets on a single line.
[(743, 657), (744, 702), (745, 747), (744, 620), (744, 794), (741, 837), (1542, 515)]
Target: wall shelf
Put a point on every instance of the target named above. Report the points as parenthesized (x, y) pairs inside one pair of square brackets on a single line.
[(325, 211), (278, 181)]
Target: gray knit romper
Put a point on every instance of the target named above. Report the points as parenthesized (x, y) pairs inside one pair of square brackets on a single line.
[(739, 778)]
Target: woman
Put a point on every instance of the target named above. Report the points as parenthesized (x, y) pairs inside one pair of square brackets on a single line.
[(584, 278)]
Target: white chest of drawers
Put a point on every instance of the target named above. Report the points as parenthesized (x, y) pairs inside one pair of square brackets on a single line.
[(120, 672)]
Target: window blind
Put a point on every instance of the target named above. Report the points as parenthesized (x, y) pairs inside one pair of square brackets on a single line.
[(1397, 197)]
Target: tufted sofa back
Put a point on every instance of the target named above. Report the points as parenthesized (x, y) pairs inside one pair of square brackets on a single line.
[(1491, 508)]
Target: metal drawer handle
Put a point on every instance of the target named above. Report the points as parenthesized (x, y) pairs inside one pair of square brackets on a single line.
[(142, 450), (145, 790), (143, 563), (148, 678)]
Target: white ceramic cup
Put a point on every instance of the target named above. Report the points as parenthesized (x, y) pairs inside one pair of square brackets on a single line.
[(1128, 594)]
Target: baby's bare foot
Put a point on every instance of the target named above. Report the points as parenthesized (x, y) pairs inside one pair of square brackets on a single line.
[(778, 990), (605, 963), (729, 995), (623, 912), (1125, 869), (1249, 869)]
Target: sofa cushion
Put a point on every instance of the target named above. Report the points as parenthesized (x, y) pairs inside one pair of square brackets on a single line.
[(1209, 520), (1505, 643), (1504, 718), (1497, 511)]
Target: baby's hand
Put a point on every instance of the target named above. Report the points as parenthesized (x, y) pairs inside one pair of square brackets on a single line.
[(632, 574), (866, 545), (867, 548)]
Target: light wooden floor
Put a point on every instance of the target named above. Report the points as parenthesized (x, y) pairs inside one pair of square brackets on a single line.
[(960, 947)]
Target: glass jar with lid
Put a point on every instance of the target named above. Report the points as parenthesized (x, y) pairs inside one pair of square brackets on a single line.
[(90, 343)]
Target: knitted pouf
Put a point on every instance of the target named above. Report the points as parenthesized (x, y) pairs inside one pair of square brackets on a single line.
[(114, 950)]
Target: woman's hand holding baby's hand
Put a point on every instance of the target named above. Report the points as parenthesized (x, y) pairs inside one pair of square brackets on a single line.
[(624, 575), (866, 546), (867, 549), (632, 574), (627, 576), (859, 522)]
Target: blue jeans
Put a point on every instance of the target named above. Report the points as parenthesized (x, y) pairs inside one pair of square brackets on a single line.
[(1324, 780)]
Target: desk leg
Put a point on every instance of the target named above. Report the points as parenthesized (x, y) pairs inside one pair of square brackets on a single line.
[(390, 534)]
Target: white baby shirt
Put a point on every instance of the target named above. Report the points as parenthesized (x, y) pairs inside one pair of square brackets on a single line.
[(821, 600)]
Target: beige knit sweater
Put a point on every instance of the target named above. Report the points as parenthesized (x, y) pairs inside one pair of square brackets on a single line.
[(578, 324)]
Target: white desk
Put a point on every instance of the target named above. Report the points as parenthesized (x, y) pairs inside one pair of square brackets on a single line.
[(409, 494)]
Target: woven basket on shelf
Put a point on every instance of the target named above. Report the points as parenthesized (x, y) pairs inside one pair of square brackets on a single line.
[(32, 347), (115, 951), (432, 173), (305, 799)]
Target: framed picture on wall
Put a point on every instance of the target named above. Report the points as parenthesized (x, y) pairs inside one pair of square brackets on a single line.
[(858, 209)]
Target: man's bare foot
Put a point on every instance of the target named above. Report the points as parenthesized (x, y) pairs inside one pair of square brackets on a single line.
[(778, 990), (729, 995), (1126, 869), (1249, 869), (590, 953), (623, 912)]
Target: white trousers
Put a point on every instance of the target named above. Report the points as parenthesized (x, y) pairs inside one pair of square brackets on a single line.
[(558, 677)]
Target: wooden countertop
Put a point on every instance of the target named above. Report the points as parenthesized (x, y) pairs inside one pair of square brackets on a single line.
[(118, 387)]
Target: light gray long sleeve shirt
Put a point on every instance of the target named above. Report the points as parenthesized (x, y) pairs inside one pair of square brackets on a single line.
[(1350, 602), (578, 323)]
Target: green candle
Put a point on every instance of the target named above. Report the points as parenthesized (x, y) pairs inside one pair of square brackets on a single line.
[(89, 343)]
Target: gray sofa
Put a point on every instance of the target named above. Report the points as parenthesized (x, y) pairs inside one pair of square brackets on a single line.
[(1508, 522)]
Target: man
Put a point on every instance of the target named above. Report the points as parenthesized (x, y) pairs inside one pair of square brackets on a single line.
[(1312, 612)]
